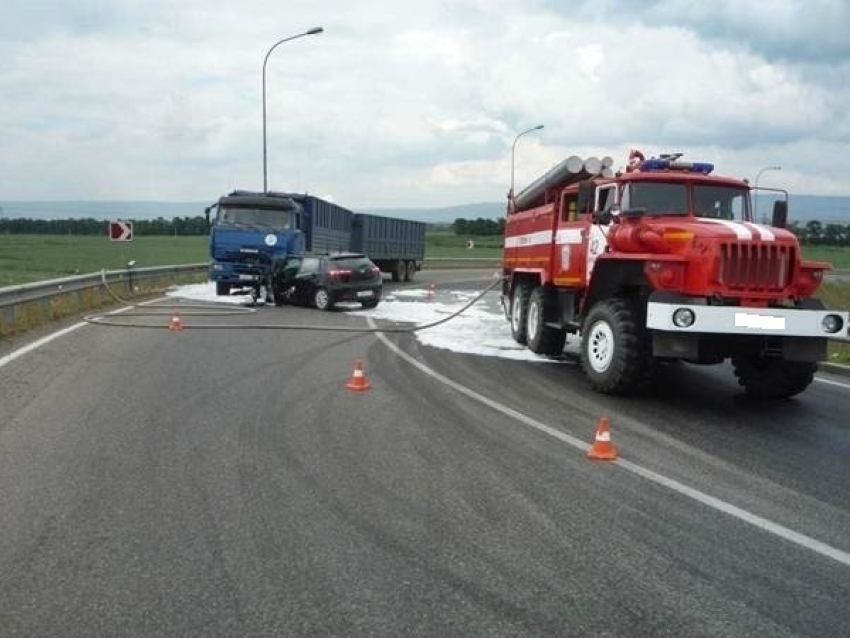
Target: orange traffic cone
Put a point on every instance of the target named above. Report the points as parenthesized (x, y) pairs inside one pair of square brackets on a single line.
[(175, 323), (358, 381), (602, 450)]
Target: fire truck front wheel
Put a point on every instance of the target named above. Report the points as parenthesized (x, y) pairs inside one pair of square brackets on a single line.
[(519, 308), (614, 351), (541, 338), (772, 378)]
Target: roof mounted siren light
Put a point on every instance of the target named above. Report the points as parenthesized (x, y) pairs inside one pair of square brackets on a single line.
[(666, 162)]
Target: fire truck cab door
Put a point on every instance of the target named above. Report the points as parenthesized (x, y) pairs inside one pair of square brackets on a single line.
[(597, 241)]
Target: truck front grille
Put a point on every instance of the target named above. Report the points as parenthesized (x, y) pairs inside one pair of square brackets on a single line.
[(747, 267)]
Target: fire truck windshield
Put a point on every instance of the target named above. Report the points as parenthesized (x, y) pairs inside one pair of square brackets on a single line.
[(233, 216), (720, 202), (662, 198)]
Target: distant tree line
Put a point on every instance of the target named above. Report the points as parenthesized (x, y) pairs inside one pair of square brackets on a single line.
[(87, 226), (479, 227), (816, 234)]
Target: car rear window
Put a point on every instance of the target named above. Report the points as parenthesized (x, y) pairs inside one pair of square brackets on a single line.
[(349, 263)]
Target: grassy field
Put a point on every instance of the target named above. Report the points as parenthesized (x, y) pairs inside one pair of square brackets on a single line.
[(25, 258), (838, 256)]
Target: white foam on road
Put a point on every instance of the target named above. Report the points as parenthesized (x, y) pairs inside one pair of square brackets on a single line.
[(206, 292), (481, 330)]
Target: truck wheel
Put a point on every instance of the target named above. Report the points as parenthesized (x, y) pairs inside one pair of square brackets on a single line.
[(519, 307), (410, 271), (615, 353), (542, 339), (398, 270), (322, 299), (222, 289), (772, 378)]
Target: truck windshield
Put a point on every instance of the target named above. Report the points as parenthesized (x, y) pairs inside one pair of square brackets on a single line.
[(720, 202), (657, 198), (660, 198), (264, 217)]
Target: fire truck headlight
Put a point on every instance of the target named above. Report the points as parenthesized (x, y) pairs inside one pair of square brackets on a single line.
[(832, 324), (684, 318)]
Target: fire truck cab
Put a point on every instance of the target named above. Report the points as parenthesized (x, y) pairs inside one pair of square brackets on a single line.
[(662, 262)]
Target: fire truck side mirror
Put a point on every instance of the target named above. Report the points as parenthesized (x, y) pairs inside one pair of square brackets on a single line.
[(586, 192), (780, 214)]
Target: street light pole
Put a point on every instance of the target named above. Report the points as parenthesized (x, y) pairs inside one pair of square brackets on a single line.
[(312, 31), (513, 154), (756, 195)]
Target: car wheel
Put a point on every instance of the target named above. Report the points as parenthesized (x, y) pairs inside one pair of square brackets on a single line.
[(322, 299), (222, 288)]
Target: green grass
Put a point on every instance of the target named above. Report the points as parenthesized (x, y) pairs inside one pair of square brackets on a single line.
[(447, 244), (838, 256), (26, 258)]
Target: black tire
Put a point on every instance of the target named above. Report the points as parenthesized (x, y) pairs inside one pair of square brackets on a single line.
[(541, 338), (773, 378), (399, 271), (322, 299), (519, 308), (369, 304), (615, 348), (410, 271), (222, 289)]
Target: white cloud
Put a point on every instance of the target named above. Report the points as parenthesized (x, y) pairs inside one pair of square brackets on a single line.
[(416, 108)]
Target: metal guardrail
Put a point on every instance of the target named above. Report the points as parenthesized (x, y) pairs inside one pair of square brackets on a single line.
[(129, 277)]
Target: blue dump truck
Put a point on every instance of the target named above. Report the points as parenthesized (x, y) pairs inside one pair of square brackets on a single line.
[(252, 233)]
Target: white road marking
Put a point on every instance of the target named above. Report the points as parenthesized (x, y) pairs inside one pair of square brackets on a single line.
[(741, 514), (831, 382), (20, 352)]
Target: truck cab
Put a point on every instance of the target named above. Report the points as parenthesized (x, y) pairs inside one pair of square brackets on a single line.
[(249, 234)]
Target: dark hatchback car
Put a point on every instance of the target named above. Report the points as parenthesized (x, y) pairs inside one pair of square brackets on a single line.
[(323, 280)]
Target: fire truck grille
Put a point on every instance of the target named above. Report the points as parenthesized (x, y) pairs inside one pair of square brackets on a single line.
[(755, 267)]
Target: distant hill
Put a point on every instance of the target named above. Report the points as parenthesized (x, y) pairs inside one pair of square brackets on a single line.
[(802, 208)]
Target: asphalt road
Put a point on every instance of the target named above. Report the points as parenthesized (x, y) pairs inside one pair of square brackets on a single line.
[(224, 482)]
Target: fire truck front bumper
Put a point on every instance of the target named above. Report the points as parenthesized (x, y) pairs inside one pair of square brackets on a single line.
[(736, 320), (707, 334)]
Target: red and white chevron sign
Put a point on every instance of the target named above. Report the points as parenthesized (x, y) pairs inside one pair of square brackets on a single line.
[(120, 230)]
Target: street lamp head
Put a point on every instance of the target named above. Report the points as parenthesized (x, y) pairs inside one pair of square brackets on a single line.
[(315, 30), (538, 127)]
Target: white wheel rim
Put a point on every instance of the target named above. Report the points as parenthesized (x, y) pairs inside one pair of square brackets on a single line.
[(515, 311), (321, 298), (531, 321), (600, 346)]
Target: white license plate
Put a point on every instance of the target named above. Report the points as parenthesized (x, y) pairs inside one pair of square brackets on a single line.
[(364, 293), (247, 277)]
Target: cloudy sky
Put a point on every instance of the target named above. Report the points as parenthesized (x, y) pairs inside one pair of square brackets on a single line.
[(412, 103)]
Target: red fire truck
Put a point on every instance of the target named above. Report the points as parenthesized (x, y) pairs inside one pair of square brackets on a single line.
[(662, 261)]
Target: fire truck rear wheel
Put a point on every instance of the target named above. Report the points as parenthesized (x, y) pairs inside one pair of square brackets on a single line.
[(772, 378), (615, 352), (519, 307), (541, 338)]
